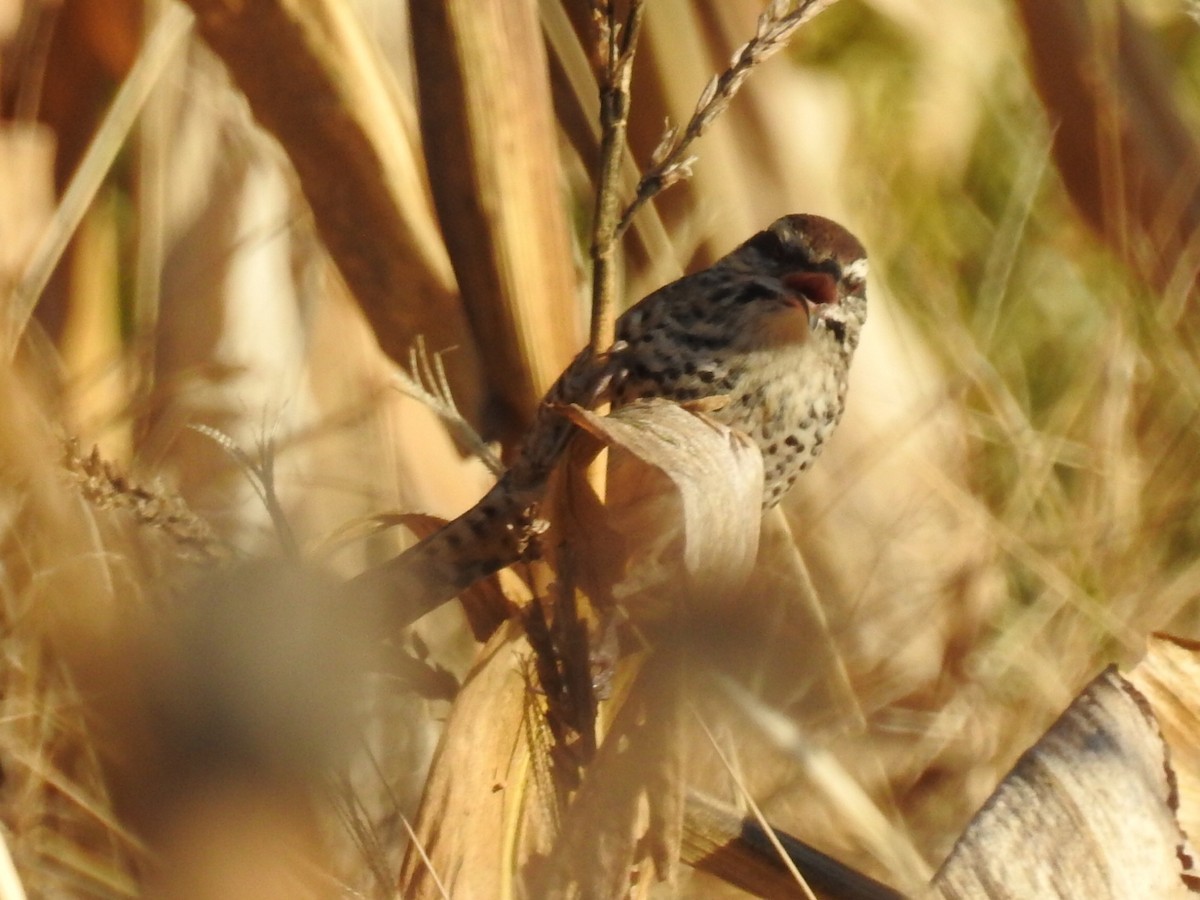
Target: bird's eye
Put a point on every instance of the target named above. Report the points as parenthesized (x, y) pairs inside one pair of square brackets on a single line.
[(816, 287), (768, 244)]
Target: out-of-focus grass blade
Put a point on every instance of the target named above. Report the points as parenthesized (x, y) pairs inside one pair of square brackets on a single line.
[(160, 48), (491, 148), (357, 162)]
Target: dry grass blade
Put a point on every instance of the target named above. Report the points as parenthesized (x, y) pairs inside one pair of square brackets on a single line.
[(488, 127), (26, 166), (356, 162), (10, 881), (883, 839), (772, 838), (161, 47), (63, 627)]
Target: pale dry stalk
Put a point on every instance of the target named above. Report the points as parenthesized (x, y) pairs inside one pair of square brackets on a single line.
[(618, 43)]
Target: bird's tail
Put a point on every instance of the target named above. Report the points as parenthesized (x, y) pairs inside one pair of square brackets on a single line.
[(492, 534), (496, 531)]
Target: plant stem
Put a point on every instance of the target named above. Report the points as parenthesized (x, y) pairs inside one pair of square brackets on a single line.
[(620, 45)]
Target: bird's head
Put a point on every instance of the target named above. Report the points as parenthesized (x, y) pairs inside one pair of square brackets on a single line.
[(812, 264)]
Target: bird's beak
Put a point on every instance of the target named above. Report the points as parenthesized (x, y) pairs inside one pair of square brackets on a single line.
[(810, 289), (800, 302)]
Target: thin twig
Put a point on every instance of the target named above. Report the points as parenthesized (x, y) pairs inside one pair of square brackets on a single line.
[(670, 163), (748, 798), (618, 43)]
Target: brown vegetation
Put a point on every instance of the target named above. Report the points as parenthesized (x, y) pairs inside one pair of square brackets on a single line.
[(220, 241)]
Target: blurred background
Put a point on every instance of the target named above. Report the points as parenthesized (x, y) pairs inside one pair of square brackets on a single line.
[(245, 220)]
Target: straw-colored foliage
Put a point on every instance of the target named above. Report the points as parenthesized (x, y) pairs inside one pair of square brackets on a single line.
[(288, 198)]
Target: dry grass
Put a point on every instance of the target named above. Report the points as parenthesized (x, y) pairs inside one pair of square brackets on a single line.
[(1010, 504)]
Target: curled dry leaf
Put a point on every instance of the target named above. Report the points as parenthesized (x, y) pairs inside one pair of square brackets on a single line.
[(714, 473), (492, 808), (1169, 676), (488, 805), (1087, 812)]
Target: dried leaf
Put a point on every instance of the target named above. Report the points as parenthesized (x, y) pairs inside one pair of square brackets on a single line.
[(1169, 676), (1128, 159), (481, 785), (378, 224), (1088, 812), (492, 155), (715, 473)]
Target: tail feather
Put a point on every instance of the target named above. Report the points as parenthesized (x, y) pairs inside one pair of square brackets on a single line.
[(492, 534), (496, 531)]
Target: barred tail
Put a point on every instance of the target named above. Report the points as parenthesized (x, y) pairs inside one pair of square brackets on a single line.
[(492, 534), (495, 532)]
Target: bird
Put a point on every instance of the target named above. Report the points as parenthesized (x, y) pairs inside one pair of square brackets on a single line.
[(763, 339)]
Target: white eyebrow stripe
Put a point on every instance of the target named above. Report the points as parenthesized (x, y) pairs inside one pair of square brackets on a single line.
[(857, 270)]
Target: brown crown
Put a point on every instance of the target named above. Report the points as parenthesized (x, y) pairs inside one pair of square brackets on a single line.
[(822, 238)]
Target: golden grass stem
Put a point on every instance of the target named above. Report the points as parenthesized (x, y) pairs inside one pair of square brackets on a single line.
[(357, 162), (492, 155), (620, 44), (160, 50)]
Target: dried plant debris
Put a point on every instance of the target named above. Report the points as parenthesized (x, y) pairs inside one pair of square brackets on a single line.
[(482, 782), (1090, 811), (260, 472), (105, 487), (715, 475), (624, 825), (1169, 677)]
